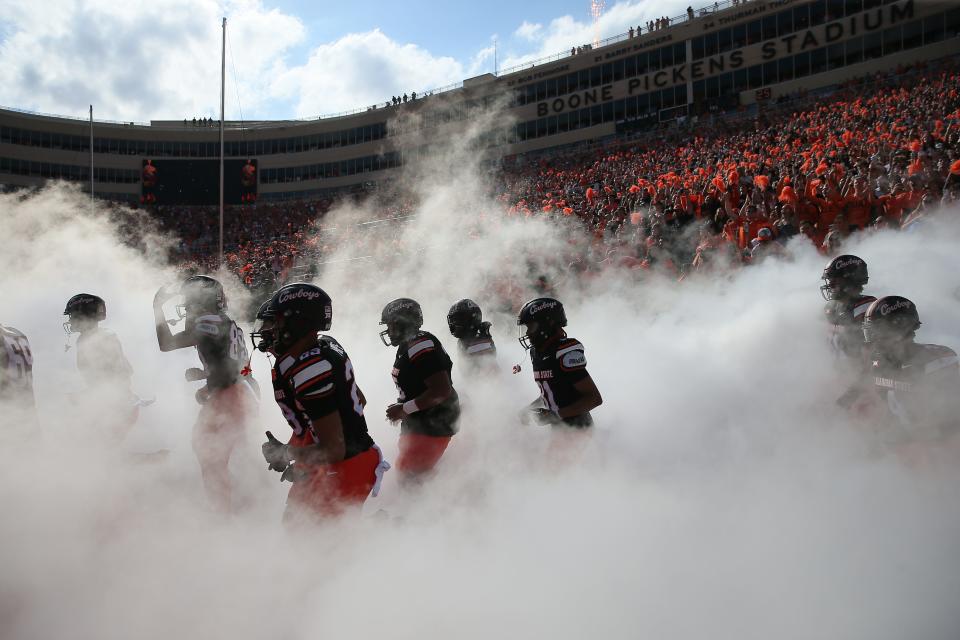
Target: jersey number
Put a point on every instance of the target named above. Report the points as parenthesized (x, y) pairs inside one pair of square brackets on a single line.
[(20, 357), (238, 348), (354, 390)]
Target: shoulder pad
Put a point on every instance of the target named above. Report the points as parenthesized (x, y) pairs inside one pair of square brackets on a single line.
[(420, 345), (860, 306), (571, 355), (937, 357), (208, 328)]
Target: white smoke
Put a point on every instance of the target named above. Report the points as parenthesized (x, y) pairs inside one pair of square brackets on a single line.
[(721, 495)]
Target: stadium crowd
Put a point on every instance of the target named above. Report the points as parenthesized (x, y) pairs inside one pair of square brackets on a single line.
[(878, 152)]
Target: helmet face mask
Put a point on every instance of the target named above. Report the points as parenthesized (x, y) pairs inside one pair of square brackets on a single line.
[(263, 337)]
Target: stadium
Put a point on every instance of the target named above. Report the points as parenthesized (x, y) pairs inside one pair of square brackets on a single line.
[(664, 207)]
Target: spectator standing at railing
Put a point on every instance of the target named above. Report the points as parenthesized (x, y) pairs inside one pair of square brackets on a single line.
[(690, 13)]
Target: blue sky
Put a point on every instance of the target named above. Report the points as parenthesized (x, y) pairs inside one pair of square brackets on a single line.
[(143, 60)]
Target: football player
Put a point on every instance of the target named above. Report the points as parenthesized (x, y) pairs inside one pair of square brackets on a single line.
[(105, 369), (466, 324), (17, 405), (427, 406), (228, 398), (330, 458), (843, 281), (567, 392), (918, 383)]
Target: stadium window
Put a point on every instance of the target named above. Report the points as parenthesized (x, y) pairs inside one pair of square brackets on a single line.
[(596, 115), (666, 57), (754, 32), (654, 102), (618, 70), (630, 107), (699, 90), (801, 17), (892, 40), (572, 82), (769, 27), (541, 91), (933, 29), (835, 56), (575, 120), (595, 77), (740, 82), (853, 7), (710, 44), (643, 104), (854, 50), (755, 76), (680, 94), (653, 60), (726, 83), (834, 9), (619, 108), (679, 53), (801, 64), (818, 12), (643, 64), (561, 85), (697, 47), (4, 165), (872, 46), (785, 69), (563, 123), (724, 40), (5, 135), (769, 73), (953, 23), (630, 67), (550, 89), (552, 125), (713, 87), (871, 4), (606, 73), (351, 136), (583, 79), (541, 129), (666, 98), (785, 22), (913, 34), (739, 35), (45, 170), (818, 60)]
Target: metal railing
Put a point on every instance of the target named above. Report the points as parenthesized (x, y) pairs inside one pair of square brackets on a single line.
[(671, 22)]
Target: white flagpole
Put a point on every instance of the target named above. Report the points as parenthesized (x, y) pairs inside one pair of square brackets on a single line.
[(91, 157), (223, 71)]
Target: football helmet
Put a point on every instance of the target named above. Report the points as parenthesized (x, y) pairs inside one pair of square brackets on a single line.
[(464, 319), (844, 276), (402, 317), (539, 320), (263, 336), (890, 319), (299, 310), (82, 310), (201, 294)]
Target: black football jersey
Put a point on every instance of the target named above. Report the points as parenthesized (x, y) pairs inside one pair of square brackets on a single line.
[(845, 322), (417, 359), (920, 393), (480, 347), (316, 383), (556, 369), (222, 348)]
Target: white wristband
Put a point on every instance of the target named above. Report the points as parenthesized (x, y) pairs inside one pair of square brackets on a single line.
[(410, 406)]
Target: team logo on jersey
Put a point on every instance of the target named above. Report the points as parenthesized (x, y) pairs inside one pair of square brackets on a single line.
[(886, 308), (542, 375), (851, 261)]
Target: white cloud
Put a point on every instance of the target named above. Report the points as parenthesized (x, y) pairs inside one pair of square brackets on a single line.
[(362, 69), (528, 31), (146, 60), (565, 32)]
